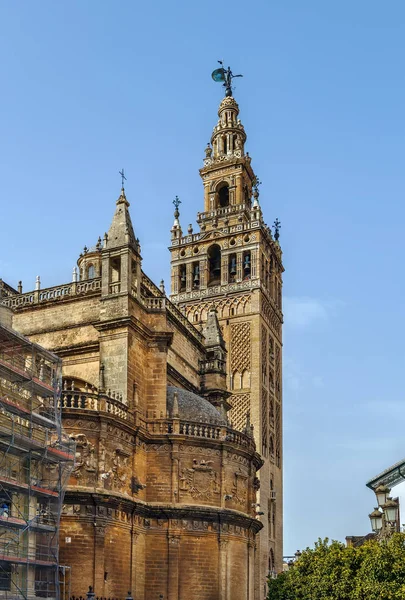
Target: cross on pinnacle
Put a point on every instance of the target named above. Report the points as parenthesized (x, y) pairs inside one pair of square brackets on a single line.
[(122, 177), (256, 184), (276, 227), (176, 203)]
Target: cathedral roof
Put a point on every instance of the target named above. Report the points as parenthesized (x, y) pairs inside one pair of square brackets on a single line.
[(192, 407)]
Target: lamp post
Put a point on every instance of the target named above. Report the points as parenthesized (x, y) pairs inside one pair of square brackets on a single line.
[(382, 492), (385, 518)]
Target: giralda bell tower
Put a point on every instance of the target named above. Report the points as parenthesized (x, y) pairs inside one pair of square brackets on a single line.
[(234, 264)]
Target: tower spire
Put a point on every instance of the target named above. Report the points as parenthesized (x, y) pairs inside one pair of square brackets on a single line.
[(176, 230)]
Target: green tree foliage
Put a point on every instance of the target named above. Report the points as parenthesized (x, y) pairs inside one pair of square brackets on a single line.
[(331, 571)]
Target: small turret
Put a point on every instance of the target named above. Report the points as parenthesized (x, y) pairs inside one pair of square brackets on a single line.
[(214, 367), (121, 258)]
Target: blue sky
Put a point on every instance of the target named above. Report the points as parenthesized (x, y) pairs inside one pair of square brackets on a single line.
[(91, 87)]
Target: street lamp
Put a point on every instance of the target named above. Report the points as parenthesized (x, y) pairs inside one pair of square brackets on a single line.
[(376, 519), (390, 509), (382, 493)]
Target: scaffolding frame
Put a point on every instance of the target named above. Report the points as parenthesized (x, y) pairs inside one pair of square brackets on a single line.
[(36, 459)]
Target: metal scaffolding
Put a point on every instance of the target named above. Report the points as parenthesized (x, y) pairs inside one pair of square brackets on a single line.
[(36, 458)]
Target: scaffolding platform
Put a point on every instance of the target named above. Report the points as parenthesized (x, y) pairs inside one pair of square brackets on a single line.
[(36, 459)]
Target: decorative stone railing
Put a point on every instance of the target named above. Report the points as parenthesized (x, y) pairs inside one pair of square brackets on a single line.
[(192, 237), (150, 286), (53, 293), (154, 304), (222, 212), (212, 365), (115, 288), (77, 400), (195, 429)]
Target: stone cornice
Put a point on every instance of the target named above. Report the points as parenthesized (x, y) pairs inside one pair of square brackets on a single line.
[(160, 511)]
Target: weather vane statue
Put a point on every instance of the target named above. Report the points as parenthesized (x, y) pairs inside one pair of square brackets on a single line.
[(277, 227), (225, 77)]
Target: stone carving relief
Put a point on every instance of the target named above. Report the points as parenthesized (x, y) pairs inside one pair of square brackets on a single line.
[(85, 460), (114, 469), (240, 488), (201, 481)]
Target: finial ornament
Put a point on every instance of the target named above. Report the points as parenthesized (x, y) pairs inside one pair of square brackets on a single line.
[(225, 77), (123, 178), (176, 203), (276, 227), (256, 184)]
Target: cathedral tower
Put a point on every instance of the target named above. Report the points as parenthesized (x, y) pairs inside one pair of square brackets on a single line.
[(233, 265)]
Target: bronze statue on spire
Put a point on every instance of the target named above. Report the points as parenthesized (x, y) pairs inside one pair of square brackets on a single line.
[(225, 77)]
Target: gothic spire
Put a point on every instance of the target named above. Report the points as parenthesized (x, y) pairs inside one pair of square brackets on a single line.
[(121, 232)]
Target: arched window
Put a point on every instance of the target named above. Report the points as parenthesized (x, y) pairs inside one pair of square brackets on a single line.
[(271, 561), (232, 268), (245, 379), (246, 265), (214, 264), (91, 272), (236, 381), (196, 275), (223, 196), (183, 278)]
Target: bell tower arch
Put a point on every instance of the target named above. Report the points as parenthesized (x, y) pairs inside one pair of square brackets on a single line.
[(233, 265)]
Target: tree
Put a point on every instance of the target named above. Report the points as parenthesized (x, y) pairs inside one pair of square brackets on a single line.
[(331, 571)]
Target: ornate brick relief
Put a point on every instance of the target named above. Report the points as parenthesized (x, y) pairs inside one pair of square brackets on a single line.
[(271, 317), (265, 430), (240, 347), (264, 355), (240, 406), (278, 434), (278, 373), (226, 307)]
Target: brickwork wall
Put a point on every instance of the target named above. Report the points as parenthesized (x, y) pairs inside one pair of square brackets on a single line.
[(184, 356)]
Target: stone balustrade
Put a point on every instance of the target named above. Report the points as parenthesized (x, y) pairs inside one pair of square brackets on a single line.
[(92, 400), (115, 288), (154, 304), (195, 429), (222, 212), (53, 293)]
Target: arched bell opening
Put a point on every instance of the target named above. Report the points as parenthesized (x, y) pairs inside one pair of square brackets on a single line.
[(232, 268), (247, 266), (214, 265), (182, 278), (222, 195), (196, 275)]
